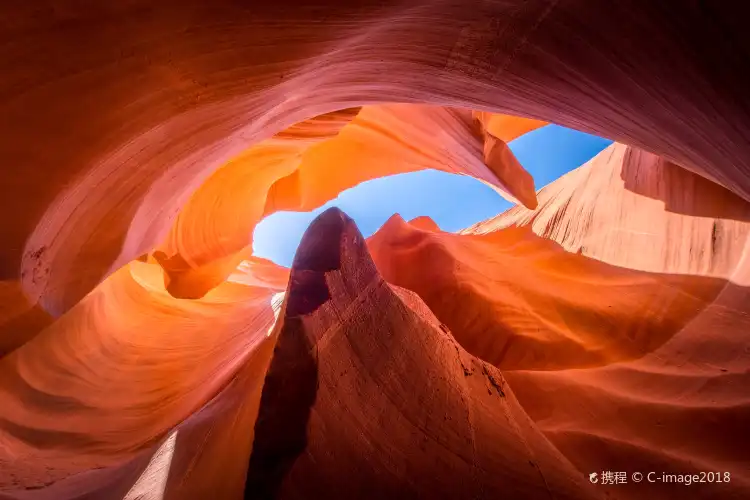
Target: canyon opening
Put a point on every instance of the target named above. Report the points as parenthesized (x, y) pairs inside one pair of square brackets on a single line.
[(215, 284)]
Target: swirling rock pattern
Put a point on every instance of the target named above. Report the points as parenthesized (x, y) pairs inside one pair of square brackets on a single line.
[(600, 324)]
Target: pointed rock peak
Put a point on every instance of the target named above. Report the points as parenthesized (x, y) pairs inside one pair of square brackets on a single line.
[(332, 253), (329, 240), (394, 219), (370, 397), (394, 223), (394, 227), (425, 222), (397, 232), (329, 267)]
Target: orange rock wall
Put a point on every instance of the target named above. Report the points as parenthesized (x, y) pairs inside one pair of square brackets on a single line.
[(140, 341)]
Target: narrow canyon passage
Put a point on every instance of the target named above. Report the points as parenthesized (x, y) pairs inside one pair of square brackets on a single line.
[(591, 341)]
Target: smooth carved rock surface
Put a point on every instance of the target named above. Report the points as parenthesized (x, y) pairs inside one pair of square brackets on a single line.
[(351, 345), (601, 324), (306, 165)]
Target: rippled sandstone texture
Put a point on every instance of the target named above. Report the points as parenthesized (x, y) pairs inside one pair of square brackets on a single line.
[(142, 356)]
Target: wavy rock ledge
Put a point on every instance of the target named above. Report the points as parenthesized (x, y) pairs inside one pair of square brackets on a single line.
[(351, 344), (601, 324)]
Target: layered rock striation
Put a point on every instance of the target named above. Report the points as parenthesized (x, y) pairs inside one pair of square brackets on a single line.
[(600, 325)]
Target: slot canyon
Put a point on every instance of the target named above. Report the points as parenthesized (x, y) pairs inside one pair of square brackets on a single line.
[(590, 342)]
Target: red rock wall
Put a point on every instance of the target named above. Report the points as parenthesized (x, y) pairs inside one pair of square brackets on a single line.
[(142, 142)]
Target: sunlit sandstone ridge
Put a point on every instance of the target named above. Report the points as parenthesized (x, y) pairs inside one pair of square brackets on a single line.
[(660, 325), (308, 164), (146, 353)]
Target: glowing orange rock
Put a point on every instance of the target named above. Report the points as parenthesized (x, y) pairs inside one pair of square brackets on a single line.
[(667, 327), (633, 209), (350, 344), (100, 165), (308, 164), (143, 139), (521, 302)]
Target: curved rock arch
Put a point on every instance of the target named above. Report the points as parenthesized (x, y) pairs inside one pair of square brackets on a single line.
[(115, 115), (173, 91)]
